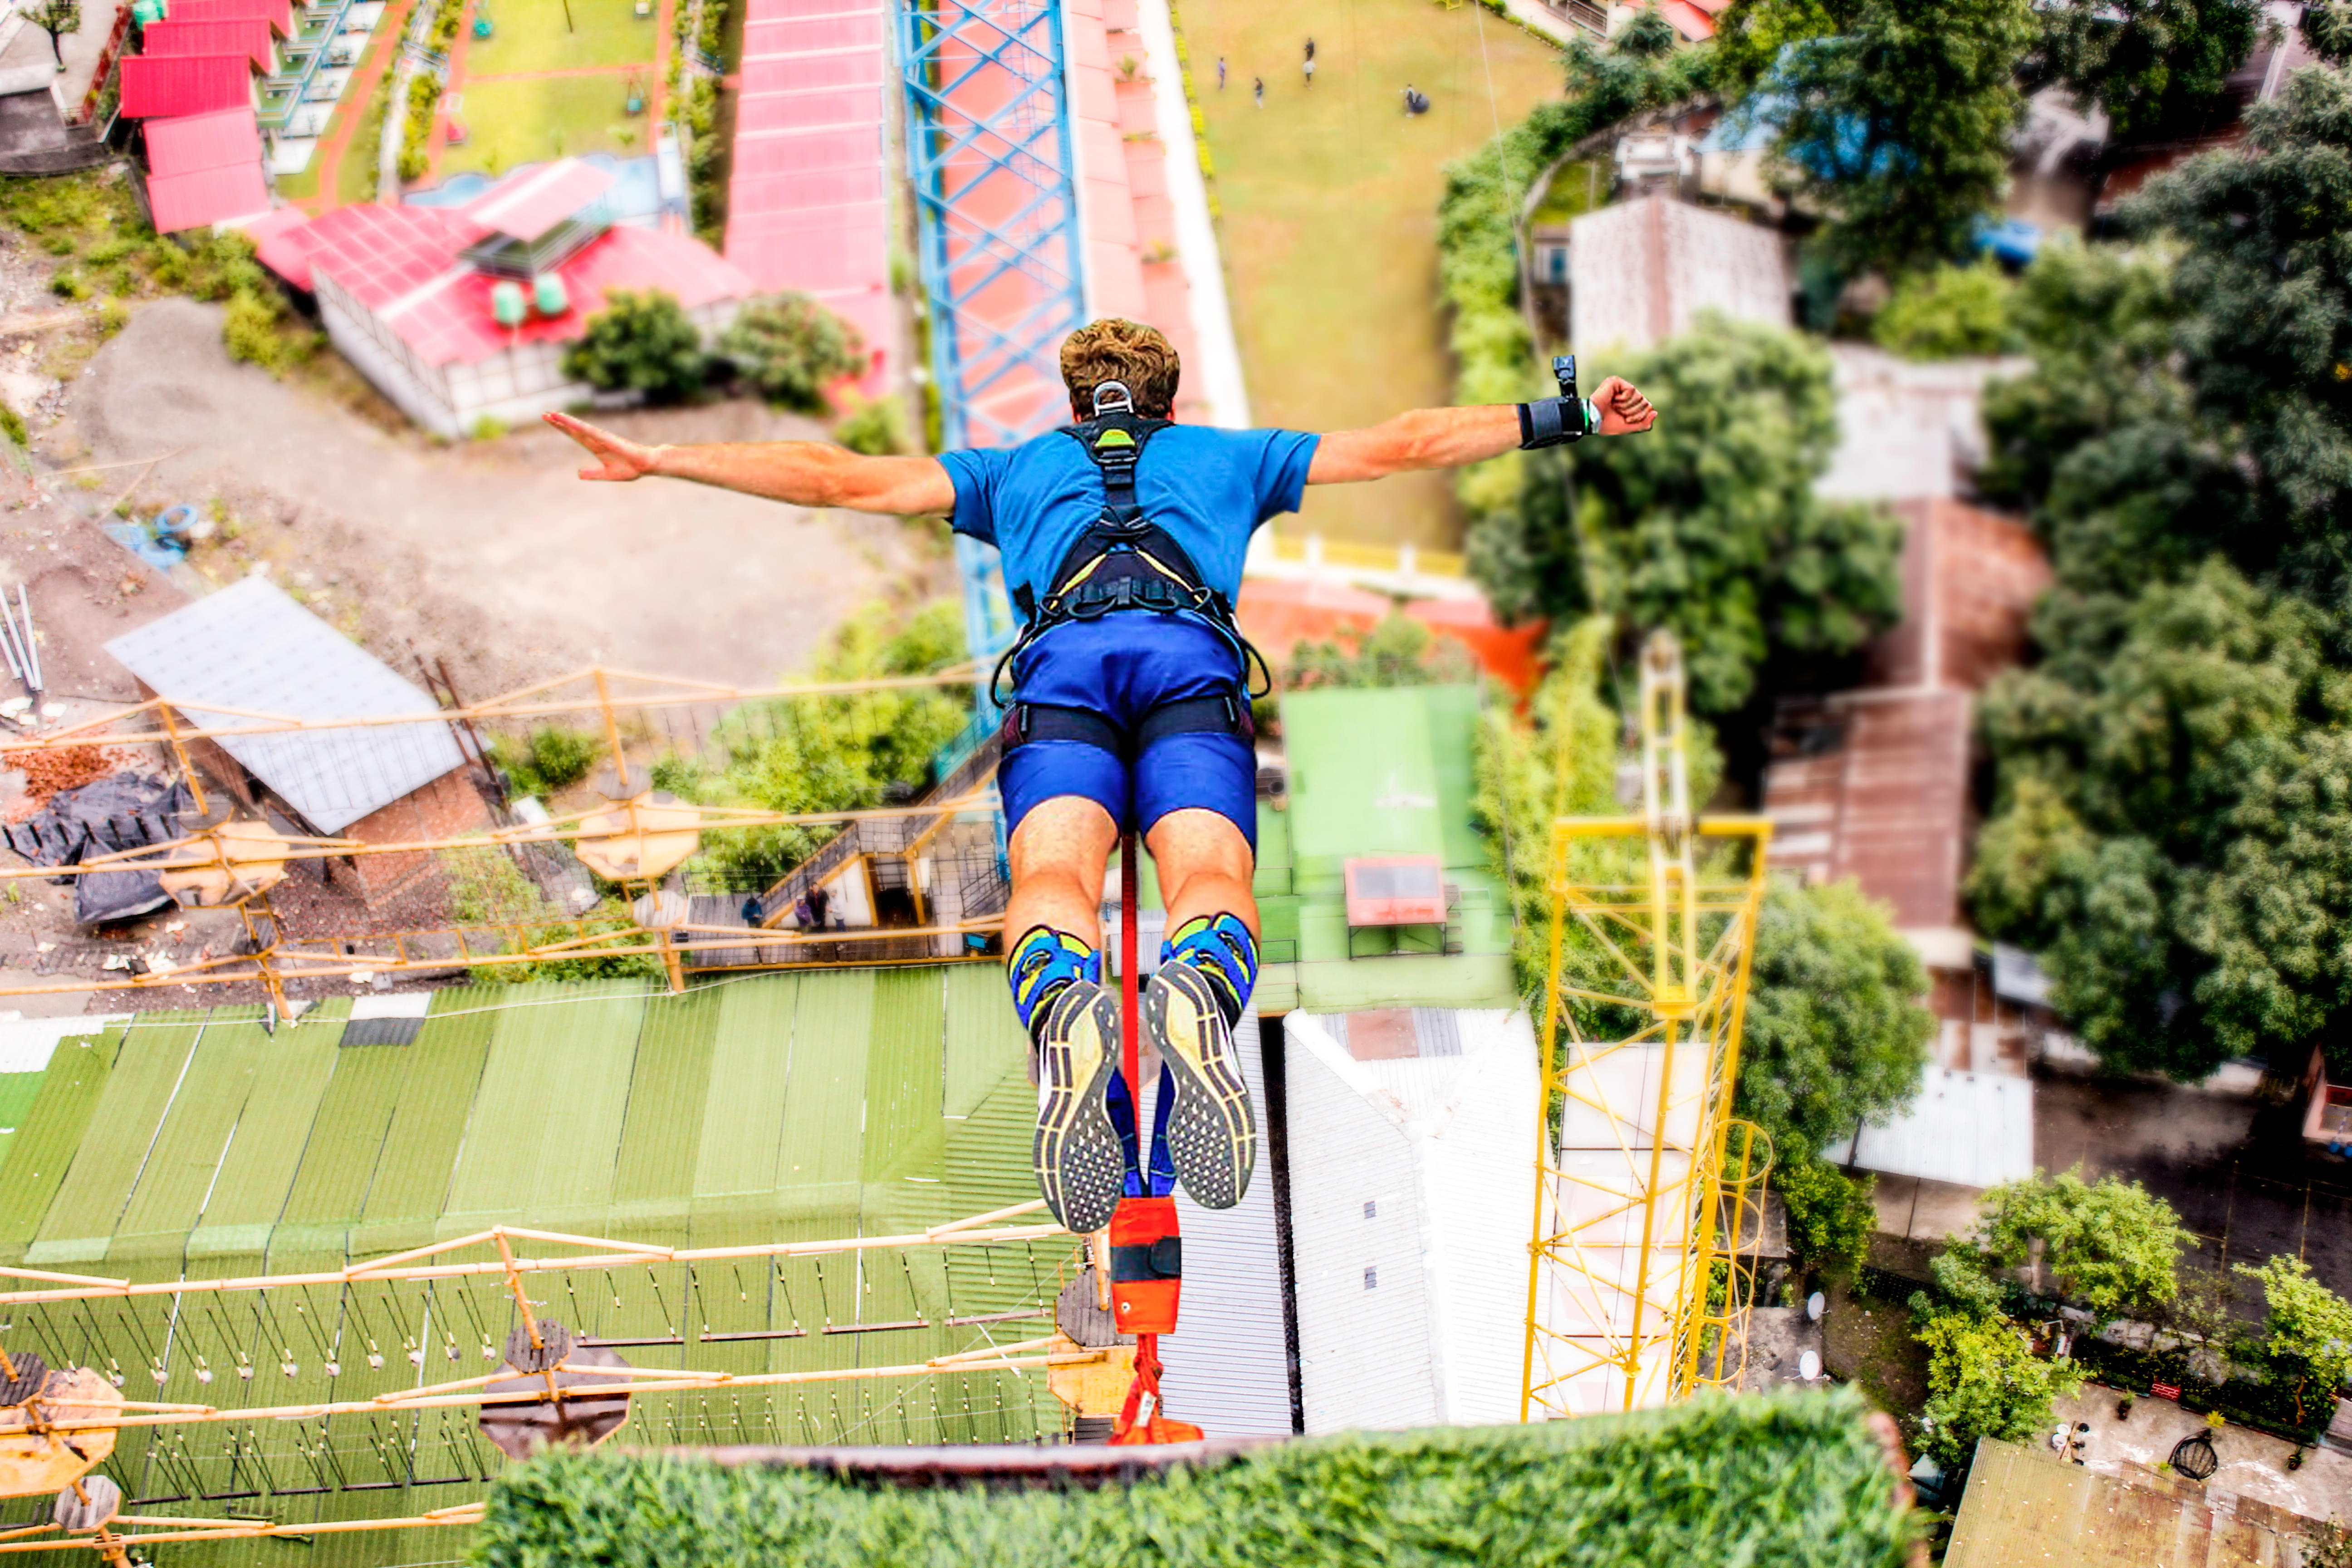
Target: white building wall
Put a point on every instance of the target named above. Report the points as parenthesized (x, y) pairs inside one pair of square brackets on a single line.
[(1646, 270)]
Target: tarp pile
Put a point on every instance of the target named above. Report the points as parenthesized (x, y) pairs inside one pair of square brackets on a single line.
[(120, 812)]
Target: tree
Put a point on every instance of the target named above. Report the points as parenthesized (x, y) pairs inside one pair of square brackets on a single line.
[(2109, 1245), (831, 753), (1831, 1220), (790, 349), (1984, 1381), (2157, 67), (2172, 828), (57, 18), (1892, 117), (1835, 1035), (641, 343), (1708, 525), (2307, 1332), (1397, 651), (1949, 312)]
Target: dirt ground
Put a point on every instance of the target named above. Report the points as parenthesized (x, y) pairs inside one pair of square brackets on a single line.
[(490, 555)]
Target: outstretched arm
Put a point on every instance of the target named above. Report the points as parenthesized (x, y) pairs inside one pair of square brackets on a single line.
[(805, 473), (1449, 437)]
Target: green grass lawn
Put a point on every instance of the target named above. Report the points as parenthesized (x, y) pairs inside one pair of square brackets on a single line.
[(514, 122), (530, 35), (1329, 198)]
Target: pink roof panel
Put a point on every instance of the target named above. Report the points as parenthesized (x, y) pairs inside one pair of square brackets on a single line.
[(158, 86), (183, 145), (278, 14), (382, 254), (206, 197), (247, 35), (529, 202)]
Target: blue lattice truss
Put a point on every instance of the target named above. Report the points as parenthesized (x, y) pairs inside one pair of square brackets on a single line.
[(1013, 161)]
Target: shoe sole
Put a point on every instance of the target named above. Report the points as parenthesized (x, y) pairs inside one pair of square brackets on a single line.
[(1211, 1129), (1081, 1166)]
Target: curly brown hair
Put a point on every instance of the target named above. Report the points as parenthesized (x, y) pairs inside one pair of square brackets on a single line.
[(1128, 352)]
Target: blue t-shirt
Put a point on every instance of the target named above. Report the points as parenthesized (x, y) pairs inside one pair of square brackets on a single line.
[(1208, 488)]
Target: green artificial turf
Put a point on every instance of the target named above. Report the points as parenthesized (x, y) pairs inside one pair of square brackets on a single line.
[(534, 119), (533, 36), (1329, 213), (1794, 1480)]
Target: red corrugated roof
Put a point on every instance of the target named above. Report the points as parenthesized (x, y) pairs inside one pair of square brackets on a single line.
[(283, 242), (379, 254), (247, 35), (1689, 21), (278, 14), (225, 139), (207, 196), (529, 202), (157, 86), (805, 204), (448, 320)]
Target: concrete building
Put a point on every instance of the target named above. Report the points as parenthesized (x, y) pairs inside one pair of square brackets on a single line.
[(459, 314), (252, 650), (1646, 270)]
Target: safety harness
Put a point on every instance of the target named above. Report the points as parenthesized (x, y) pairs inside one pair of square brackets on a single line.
[(1124, 561)]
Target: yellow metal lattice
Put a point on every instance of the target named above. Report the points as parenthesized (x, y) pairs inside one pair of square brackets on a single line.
[(1648, 1191)]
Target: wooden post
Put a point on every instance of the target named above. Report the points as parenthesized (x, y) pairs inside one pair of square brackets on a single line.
[(612, 730), (187, 768)]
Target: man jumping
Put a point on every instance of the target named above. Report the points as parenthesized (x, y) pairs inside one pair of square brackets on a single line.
[(1122, 537)]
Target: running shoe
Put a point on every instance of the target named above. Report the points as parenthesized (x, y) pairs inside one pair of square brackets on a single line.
[(1211, 1130), (1081, 1166)]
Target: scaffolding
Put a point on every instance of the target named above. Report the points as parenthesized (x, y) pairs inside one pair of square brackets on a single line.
[(1647, 1189)]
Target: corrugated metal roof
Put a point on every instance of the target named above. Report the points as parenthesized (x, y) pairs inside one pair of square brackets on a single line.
[(252, 648), (806, 207), (529, 202), (206, 197), (1972, 1129), (1409, 1226), (278, 14), (1228, 1363), (226, 138), (160, 85), (226, 35)]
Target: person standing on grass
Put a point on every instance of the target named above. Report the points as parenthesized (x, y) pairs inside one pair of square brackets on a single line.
[(1221, 73), (1122, 536), (1257, 89), (1310, 71)]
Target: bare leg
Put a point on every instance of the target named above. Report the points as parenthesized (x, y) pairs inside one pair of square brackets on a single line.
[(1205, 867), (1059, 854)]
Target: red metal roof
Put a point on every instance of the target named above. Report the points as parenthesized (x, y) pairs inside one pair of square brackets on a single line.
[(378, 253), (156, 86), (1689, 20), (245, 34), (225, 139), (278, 14), (283, 242), (529, 202), (207, 196), (805, 204)]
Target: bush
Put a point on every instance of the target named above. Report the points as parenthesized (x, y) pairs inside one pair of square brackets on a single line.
[(641, 343), (416, 125), (1791, 1479), (1397, 651), (251, 332), (1983, 1380), (1948, 312), (876, 427), (1831, 1220), (790, 349), (486, 887), (554, 758), (12, 425), (67, 283)]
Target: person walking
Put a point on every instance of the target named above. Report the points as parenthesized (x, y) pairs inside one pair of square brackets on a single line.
[(1221, 73), (801, 911), (1310, 50), (751, 911), (1257, 89), (1310, 71), (819, 900), (1122, 537)]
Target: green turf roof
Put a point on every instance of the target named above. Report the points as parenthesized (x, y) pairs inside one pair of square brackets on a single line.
[(778, 1107), (1383, 771)]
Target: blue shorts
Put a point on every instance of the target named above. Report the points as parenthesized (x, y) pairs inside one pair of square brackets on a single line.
[(1122, 667)]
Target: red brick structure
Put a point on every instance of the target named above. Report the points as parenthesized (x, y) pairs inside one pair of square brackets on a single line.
[(1873, 784)]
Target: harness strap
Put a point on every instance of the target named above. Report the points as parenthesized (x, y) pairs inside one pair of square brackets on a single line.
[(1224, 715)]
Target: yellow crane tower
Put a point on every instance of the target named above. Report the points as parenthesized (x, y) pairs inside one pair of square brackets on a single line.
[(1648, 1191)]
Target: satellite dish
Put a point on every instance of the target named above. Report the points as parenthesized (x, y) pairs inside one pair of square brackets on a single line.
[(1814, 1303), (1809, 1365)]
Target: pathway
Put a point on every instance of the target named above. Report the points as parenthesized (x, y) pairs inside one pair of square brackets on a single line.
[(383, 49)]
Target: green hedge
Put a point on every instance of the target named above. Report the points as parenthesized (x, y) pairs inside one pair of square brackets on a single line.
[(1792, 1479)]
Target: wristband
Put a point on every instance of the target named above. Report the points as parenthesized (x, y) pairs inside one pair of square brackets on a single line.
[(1556, 421)]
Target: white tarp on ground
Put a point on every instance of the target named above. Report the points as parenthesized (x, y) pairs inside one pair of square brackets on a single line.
[(1411, 1187), (27, 1044), (1971, 1129)]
